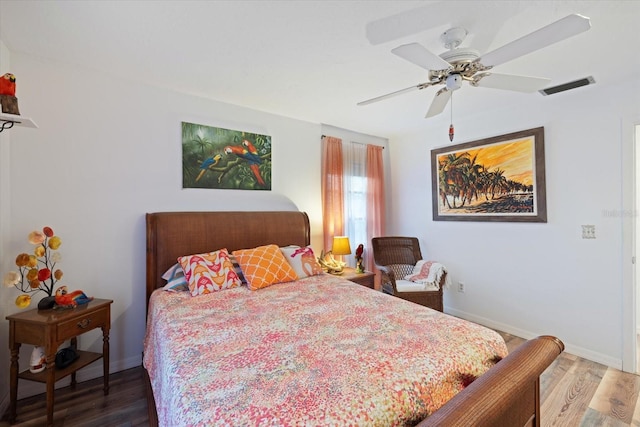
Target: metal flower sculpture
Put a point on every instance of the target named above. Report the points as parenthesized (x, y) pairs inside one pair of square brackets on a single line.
[(36, 271)]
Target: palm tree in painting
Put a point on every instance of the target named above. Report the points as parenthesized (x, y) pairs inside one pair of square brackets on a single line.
[(498, 182), (474, 172), (452, 169), (203, 144)]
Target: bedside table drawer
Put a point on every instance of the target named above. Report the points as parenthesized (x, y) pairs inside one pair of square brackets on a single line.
[(81, 324)]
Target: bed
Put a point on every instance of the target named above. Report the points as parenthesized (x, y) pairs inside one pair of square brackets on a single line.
[(318, 350)]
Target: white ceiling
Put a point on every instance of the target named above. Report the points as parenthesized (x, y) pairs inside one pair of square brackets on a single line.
[(312, 60)]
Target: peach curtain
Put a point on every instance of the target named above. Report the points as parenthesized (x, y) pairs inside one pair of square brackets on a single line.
[(332, 190), (375, 199)]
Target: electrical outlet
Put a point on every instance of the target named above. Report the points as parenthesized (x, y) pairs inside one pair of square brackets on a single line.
[(588, 231), (460, 287)]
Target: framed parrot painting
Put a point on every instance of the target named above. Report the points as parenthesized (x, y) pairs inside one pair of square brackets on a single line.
[(501, 178), (225, 159)]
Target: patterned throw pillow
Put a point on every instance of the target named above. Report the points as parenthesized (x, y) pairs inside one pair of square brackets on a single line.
[(176, 281), (303, 260), (264, 266), (209, 272)]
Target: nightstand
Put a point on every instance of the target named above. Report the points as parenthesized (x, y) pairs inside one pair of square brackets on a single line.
[(49, 329), (364, 279)]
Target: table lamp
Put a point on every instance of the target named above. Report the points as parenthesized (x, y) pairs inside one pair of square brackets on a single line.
[(341, 246)]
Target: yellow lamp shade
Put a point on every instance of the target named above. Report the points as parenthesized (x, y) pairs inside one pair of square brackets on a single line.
[(341, 246)]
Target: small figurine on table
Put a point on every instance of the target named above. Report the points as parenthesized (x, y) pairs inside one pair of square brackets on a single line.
[(359, 251), (65, 299)]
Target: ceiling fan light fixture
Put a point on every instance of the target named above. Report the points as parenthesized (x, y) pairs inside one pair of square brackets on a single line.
[(454, 81)]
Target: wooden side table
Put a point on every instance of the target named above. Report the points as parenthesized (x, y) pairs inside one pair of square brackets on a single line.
[(364, 279), (49, 329)]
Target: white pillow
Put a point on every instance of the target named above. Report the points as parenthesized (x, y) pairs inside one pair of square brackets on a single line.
[(176, 281), (302, 259)]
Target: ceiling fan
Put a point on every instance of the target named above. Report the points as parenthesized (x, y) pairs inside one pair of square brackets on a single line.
[(459, 64)]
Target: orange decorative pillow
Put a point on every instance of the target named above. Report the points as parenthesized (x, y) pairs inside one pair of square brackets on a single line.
[(264, 266), (209, 272)]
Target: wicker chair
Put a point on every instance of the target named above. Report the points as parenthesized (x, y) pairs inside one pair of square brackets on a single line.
[(395, 257)]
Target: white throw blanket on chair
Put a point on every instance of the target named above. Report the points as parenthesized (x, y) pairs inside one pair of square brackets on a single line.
[(429, 274)]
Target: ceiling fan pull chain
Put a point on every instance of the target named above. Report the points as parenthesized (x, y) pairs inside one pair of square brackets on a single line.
[(451, 130)]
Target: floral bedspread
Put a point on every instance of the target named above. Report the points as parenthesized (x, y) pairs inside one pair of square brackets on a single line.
[(317, 351)]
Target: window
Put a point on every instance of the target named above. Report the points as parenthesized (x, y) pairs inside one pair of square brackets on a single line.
[(355, 196), (352, 194)]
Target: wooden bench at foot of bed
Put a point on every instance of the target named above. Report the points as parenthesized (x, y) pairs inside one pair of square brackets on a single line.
[(508, 395)]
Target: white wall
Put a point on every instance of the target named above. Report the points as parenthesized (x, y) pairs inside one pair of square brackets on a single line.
[(106, 152), (5, 141), (532, 279), (634, 211)]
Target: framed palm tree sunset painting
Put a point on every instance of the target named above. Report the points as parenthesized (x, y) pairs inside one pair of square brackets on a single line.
[(501, 178)]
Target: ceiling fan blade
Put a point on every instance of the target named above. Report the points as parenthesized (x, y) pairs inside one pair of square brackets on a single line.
[(392, 94), (511, 82), (439, 102), (545, 36), (419, 55)]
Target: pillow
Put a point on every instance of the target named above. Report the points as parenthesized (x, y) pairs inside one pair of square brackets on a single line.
[(303, 260), (176, 281), (264, 266), (237, 269), (209, 272)]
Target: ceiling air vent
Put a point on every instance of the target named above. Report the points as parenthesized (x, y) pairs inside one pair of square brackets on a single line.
[(567, 86)]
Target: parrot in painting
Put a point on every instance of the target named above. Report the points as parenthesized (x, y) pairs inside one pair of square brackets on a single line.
[(8, 84), (250, 147), (71, 299), (252, 158), (208, 163)]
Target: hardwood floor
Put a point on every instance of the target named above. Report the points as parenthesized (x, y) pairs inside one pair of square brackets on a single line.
[(574, 392), (578, 392), (125, 406)]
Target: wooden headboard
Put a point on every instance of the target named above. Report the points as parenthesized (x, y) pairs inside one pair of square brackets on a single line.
[(174, 234)]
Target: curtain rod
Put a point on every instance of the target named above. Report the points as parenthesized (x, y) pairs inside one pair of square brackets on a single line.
[(361, 143)]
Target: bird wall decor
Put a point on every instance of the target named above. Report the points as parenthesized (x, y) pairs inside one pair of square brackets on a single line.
[(8, 98), (208, 163), (8, 84), (247, 151)]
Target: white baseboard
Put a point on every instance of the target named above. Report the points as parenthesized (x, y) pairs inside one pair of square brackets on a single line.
[(30, 388), (569, 348)]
